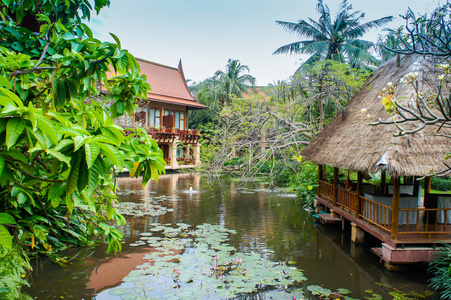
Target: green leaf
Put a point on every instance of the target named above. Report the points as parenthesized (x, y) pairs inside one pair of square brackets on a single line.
[(13, 96), (113, 154), (47, 129), (118, 42), (83, 178), (6, 240), (92, 150), (69, 204), (68, 36), (72, 180), (5, 82), (78, 142), (14, 129), (2, 164), (7, 219), (58, 155)]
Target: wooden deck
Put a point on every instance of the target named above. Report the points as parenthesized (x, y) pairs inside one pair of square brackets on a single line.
[(435, 235)]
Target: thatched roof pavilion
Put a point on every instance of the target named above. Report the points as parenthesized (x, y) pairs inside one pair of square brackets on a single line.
[(393, 213), (349, 143)]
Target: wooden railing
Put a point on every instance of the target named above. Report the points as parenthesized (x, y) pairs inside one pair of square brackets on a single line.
[(376, 213), (426, 221), (347, 199), (326, 190)]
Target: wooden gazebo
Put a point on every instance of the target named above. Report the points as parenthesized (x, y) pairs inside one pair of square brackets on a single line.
[(409, 228)]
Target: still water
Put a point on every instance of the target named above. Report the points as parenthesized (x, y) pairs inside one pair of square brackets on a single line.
[(268, 223)]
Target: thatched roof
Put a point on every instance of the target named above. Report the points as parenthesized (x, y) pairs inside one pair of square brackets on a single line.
[(348, 143)]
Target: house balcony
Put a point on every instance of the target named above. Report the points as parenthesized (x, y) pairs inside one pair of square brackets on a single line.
[(181, 148)]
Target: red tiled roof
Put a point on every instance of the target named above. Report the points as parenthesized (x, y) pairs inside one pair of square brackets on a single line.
[(168, 84)]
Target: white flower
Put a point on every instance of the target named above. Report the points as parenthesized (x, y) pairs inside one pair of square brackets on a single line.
[(363, 110), (441, 77)]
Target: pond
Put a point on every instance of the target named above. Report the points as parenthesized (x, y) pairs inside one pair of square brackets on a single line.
[(193, 237)]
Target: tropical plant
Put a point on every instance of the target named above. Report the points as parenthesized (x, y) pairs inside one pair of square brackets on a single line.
[(232, 82), (427, 34), (337, 39), (59, 146), (392, 40), (441, 271)]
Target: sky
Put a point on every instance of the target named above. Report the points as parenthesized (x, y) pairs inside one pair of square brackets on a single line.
[(204, 34)]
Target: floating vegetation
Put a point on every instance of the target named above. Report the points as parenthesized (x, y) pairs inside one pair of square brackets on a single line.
[(150, 206), (328, 294), (198, 263), (340, 294)]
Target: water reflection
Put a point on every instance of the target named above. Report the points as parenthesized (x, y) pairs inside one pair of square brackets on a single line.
[(267, 222)]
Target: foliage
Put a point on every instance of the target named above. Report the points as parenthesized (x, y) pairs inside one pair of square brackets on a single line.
[(305, 183), (392, 40), (261, 134), (59, 147), (441, 184), (336, 39), (219, 90), (441, 271), (425, 34), (331, 85), (13, 267)]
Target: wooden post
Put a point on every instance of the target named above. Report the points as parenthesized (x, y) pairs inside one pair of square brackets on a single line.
[(416, 186), (358, 208), (395, 207), (335, 186), (320, 177), (427, 187), (383, 183)]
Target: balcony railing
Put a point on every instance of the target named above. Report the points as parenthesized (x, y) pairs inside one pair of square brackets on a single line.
[(376, 213), (411, 221)]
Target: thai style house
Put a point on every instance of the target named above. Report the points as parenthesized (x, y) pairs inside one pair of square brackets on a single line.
[(390, 207), (164, 114)]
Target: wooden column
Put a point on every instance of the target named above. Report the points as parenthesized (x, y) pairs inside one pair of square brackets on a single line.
[(395, 207), (358, 208), (320, 177), (416, 186), (335, 185), (383, 182), (427, 187)]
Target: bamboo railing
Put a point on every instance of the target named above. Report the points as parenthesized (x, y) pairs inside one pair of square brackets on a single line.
[(426, 221), (326, 190), (347, 199), (376, 213), (380, 215)]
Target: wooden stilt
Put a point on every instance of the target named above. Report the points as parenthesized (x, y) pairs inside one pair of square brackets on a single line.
[(383, 182), (320, 177), (358, 208), (335, 185), (395, 207)]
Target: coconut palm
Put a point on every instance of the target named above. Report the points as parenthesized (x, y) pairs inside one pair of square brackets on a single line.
[(232, 82), (334, 39)]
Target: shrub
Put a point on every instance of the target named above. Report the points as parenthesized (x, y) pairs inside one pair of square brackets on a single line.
[(441, 270), (441, 183), (305, 182)]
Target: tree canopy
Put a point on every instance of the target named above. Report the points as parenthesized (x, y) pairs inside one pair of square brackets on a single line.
[(60, 89), (337, 39)]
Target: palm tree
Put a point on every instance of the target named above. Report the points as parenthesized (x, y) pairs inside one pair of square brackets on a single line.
[(232, 82), (334, 39)]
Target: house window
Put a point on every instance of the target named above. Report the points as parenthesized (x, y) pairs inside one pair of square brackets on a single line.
[(157, 118), (182, 121), (177, 120)]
